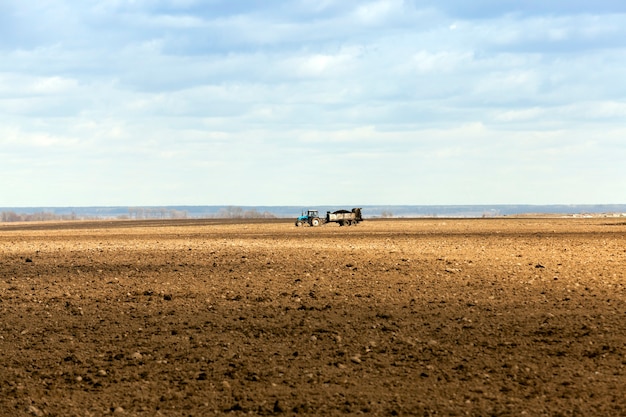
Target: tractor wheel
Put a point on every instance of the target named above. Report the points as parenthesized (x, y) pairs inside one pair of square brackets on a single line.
[(298, 223), (315, 222)]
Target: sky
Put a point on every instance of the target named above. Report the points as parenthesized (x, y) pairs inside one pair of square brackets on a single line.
[(311, 102)]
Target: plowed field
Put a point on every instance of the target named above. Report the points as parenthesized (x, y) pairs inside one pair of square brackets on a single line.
[(402, 317)]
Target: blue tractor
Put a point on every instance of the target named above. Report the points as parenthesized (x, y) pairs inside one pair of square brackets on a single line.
[(312, 218)]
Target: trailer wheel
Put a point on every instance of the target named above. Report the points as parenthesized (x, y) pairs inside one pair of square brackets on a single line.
[(315, 222)]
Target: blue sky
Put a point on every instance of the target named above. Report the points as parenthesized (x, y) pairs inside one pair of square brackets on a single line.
[(171, 102)]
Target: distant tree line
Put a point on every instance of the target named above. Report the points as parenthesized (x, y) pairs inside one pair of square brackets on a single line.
[(137, 213), (234, 212), (156, 213), (11, 216)]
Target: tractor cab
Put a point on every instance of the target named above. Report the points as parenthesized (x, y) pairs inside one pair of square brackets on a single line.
[(312, 213)]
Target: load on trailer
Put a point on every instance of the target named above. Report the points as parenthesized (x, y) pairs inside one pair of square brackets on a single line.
[(343, 217)]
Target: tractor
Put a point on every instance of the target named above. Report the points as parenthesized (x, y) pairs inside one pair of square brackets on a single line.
[(312, 218), (342, 217)]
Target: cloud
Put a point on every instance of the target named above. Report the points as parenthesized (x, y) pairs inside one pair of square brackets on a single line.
[(405, 101), (488, 9)]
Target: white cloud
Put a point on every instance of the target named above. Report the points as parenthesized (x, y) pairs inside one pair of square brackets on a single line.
[(377, 12), (407, 102), (441, 61)]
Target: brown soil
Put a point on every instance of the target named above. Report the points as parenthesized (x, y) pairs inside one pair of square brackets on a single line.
[(403, 317)]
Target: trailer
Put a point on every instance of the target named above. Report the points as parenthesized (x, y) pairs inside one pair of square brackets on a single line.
[(345, 217), (342, 217)]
